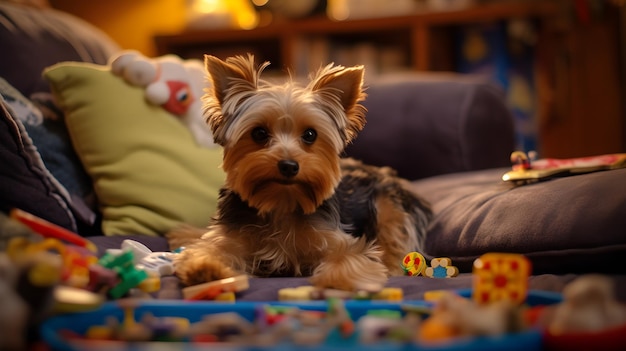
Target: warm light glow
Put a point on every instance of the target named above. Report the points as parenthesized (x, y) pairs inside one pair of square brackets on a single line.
[(247, 20), (338, 10), (208, 6), (241, 12)]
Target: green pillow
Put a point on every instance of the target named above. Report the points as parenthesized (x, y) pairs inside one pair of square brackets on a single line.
[(148, 172)]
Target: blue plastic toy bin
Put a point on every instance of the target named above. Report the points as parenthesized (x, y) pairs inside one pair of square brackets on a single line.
[(53, 329)]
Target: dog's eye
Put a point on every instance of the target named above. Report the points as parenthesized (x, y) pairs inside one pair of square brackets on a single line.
[(260, 135), (309, 136)]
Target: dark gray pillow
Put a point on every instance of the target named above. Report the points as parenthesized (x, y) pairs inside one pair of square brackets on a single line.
[(33, 38), (50, 140), (572, 224), (25, 183), (448, 123)]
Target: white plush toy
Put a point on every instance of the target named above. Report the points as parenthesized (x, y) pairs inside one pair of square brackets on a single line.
[(170, 82)]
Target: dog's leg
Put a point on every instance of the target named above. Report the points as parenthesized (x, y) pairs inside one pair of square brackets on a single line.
[(351, 264), (399, 231), (211, 258)]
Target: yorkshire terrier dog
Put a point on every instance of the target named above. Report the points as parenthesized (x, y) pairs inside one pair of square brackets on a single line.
[(291, 205)]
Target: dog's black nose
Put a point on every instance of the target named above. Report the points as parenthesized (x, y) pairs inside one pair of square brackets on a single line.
[(288, 168)]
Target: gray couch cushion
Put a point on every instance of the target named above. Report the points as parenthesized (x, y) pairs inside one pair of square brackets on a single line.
[(428, 124), (25, 183), (564, 225), (31, 39), (34, 38)]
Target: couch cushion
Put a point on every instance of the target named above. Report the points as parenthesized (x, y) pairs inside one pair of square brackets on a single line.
[(429, 124), (25, 183), (47, 132), (564, 225), (149, 173), (32, 38)]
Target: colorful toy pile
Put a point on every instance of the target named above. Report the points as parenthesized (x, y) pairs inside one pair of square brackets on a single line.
[(497, 312), (75, 260)]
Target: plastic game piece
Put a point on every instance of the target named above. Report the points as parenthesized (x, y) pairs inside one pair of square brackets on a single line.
[(50, 230), (99, 332), (139, 250), (129, 276), (414, 264), (155, 262), (129, 279), (223, 326), (500, 276), (71, 299), (300, 293), (389, 294), (151, 284), (131, 330), (74, 260), (228, 296), (434, 295), (441, 268), (210, 290), (525, 171), (328, 293)]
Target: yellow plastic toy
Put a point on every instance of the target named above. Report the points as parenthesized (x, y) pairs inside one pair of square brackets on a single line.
[(210, 290), (413, 264), (500, 276)]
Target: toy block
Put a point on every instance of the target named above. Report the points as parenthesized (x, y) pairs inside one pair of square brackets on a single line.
[(500, 276)]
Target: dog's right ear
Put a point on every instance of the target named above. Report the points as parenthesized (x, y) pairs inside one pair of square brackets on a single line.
[(236, 74), (232, 82)]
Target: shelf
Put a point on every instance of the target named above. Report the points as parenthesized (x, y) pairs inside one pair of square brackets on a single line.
[(414, 34), (573, 82)]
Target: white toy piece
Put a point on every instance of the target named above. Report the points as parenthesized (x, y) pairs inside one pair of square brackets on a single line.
[(158, 263), (175, 84)]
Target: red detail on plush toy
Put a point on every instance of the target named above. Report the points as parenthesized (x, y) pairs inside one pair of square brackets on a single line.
[(180, 99)]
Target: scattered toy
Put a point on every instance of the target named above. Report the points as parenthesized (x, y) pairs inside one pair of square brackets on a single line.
[(500, 276), (211, 290), (414, 264), (307, 293), (441, 268), (454, 316)]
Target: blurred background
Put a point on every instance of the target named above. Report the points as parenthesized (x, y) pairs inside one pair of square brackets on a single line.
[(561, 63)]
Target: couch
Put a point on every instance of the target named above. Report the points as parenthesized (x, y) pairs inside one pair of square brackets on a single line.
[(450, 135)]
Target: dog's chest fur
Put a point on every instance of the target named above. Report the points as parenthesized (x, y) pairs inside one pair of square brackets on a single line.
[(279, 245), (293, 244)]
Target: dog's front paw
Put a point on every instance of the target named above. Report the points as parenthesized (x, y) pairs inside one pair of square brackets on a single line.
[(194, 269), (351, 276)]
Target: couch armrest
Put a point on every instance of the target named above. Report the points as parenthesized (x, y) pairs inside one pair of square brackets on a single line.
[(428, 124)]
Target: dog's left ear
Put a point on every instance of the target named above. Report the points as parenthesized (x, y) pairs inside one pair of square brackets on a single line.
[(346, 85)]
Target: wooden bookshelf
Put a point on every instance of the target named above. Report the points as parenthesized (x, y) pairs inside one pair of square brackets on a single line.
[(421, 37), (580, 110)]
